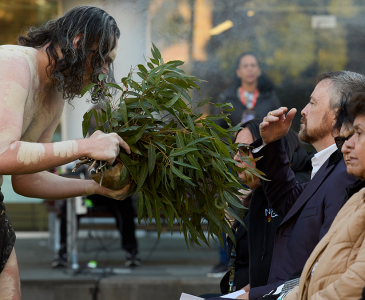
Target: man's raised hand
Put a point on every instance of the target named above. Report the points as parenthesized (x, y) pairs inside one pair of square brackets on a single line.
[(105, 147), (276, 125)]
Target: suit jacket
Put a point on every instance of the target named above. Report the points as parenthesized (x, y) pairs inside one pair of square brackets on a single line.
[(308, 209)]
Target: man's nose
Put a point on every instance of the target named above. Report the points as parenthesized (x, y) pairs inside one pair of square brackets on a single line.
[(236, 158), (304, 111), (348, 144)]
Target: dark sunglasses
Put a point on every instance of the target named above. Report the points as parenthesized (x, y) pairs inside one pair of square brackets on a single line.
[(340, 140), (243, 150)]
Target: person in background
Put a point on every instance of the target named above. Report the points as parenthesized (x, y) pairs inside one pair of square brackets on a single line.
[(252, 94), (250, 259), (123, 212), (336, 267)]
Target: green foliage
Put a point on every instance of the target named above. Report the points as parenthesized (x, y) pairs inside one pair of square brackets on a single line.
[(181, 165)]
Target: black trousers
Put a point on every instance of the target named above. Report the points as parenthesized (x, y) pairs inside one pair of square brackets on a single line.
[(7, 235), (123, 212)]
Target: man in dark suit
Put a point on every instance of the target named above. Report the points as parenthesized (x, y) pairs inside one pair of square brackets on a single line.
[(308, 209)]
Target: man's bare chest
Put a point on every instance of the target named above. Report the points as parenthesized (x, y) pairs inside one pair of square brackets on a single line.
[(39, 114)]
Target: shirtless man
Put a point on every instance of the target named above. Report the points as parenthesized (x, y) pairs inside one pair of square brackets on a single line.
[(53, 63)]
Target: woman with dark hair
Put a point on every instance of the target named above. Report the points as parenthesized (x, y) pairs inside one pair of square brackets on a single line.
[(52, 64), (252, 94), (250, 259)]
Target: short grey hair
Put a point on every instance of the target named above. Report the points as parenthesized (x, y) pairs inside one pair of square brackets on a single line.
[(343, 84)]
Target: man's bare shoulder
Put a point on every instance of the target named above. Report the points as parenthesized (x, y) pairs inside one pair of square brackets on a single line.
[(17, 64), (17, 55)]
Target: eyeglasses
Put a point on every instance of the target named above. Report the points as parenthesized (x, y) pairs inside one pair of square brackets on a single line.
[(243, 150), (340, 140)]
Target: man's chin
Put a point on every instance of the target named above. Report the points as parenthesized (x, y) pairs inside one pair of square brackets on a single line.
[(304, 136), (242, 176)]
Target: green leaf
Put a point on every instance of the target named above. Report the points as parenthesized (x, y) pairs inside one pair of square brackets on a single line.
[(114, 85), (96, 117), (129, 164), (191, 124), (86, 122), (228, 230), (124, 110), (135, 150), (101, 77), (173, 100), (182, 151), (162, 146), (124, 177), (179, 140), (178, 173), (185, 165), (134, 139), (204, 102), (212, 214), (108, 110), (195, 163), (142, 177), (198, 141), (140, 206), (154, 61), (87, 88), (147, 111), (157, 216), (216, 117), (151, 158), (233, 213), (233, 200), (149, 209), (154, 103), (157, 52)]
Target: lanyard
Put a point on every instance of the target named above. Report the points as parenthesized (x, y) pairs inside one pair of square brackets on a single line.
[(232, 270), (243, 100)]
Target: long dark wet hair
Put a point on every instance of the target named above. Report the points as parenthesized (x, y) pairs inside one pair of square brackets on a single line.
[(95, 27)]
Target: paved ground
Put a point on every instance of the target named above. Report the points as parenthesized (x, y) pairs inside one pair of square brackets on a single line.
[(165, 273)]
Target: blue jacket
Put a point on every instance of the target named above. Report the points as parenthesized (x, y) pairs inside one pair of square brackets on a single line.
[(307, 209)]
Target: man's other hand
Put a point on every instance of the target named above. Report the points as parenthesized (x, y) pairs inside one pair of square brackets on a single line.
[(117, 195)]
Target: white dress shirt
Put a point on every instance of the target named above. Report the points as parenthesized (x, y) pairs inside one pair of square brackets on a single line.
[(319, 158)]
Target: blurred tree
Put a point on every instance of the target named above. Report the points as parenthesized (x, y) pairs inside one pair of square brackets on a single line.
[(170, 22), (17, 15)]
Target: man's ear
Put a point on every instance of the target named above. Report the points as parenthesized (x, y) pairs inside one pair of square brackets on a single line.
[(76, 40), (335, 112)]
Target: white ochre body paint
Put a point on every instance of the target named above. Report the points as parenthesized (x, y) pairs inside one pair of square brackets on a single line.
[(7, 136), (66, 148), (16, 96), (30, 153)]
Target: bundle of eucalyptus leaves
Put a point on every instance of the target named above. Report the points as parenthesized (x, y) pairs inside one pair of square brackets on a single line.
[(181, 164)]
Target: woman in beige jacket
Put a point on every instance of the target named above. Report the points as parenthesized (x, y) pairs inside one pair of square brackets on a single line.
[(336, 267)]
